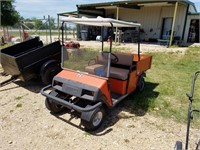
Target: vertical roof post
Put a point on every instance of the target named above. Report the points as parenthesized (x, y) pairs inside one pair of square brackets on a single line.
[(173, 23), (117, 17)]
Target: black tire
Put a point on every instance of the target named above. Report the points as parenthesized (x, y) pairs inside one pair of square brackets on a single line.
[(95, 117), (141, 84), (178, 145), (49, 72), (52, 106)]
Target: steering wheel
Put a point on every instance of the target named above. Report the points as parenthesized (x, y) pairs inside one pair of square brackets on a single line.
[(114, 58)]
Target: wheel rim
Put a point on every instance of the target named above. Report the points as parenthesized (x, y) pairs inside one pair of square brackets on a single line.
[(97, 118)]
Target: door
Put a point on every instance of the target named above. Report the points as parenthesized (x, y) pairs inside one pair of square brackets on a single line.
[(193, 35), (166, 27)]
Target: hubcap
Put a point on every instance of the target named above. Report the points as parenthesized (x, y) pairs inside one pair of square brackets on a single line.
[(97, 118)]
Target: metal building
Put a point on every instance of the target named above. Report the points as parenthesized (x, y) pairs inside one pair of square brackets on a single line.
[(162, 20)]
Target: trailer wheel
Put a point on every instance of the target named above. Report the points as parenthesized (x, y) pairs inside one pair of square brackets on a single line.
[(52, 106), (93, 119), (49, 72), (141, 84)]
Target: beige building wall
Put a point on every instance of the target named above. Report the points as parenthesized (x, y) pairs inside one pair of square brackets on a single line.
[(152, 18)]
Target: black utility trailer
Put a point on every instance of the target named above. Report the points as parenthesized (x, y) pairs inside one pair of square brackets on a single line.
[(31, 59)]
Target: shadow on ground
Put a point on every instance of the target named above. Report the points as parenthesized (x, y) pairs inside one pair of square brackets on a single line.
[(136, 104), (34, 85)]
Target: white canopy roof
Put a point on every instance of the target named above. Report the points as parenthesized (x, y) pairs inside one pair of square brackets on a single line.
[(100, 21)]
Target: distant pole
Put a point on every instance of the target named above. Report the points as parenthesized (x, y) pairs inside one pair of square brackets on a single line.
[(65, 31), (50, 28), (173, 24)]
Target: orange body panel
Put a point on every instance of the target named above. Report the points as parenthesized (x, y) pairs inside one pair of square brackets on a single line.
[(144, 63), (118, 86), (132, 82), (87, 80)]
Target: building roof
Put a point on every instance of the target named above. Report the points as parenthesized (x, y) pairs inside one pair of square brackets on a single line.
[(133, 3)]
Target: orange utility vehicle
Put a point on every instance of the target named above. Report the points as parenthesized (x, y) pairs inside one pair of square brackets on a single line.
[(105, 81)]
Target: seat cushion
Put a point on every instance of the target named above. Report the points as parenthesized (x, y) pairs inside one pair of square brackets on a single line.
[(119, 73), (94, 69)]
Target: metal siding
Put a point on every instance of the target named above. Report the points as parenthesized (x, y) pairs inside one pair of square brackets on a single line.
[(152, 17)]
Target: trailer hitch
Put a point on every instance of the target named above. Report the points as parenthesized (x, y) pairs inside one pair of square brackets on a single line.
[(13, 78)]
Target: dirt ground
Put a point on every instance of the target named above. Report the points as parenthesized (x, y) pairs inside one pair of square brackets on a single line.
[(25, 123)]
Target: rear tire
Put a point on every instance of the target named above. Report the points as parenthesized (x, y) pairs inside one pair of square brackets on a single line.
[(52, 106), (94, 119), (141, 84)]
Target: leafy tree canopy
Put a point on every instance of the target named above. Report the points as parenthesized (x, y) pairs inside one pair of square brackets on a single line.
[(9, 16)]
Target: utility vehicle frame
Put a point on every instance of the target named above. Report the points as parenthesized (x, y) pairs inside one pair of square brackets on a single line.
[(103, 84)]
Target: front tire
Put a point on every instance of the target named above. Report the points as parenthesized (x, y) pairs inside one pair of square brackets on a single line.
[(93, 119), (52, 106)]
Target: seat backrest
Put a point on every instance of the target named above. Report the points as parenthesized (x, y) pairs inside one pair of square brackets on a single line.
[(124, 59)]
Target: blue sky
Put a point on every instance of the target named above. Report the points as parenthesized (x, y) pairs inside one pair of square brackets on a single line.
[(40, 8)]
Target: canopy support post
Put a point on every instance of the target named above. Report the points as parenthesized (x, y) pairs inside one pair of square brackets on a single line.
[(173, 24)]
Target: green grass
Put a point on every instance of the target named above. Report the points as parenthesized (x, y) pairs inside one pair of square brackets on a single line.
[(167, 83), (19, 105)]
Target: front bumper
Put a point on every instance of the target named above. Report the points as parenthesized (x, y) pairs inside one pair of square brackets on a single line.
[(66, 103)]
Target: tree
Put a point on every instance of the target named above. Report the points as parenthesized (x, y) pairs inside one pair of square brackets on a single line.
[(29, 25), (9, 16), (52, 23), (38, 24)]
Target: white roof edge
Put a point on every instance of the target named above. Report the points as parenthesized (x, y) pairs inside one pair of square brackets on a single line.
[(100, 21)]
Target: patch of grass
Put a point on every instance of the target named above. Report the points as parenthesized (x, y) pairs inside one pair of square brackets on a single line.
[(19, 105), (126, 141), (167, 83), (5, 45), (18, 97), (11, 110), (87, 133), (131, 126)]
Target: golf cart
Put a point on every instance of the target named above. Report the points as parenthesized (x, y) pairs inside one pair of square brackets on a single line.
[(178, 145), (102, 83)]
